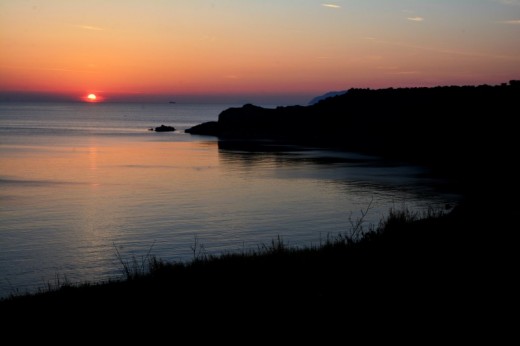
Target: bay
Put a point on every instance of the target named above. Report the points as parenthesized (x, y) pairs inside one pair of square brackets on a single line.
[(82, 182)]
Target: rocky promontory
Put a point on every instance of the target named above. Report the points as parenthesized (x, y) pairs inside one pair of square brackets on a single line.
[(454, 128), (163, 128)]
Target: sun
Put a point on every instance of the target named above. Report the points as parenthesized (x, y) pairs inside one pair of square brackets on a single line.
[(91, 97)]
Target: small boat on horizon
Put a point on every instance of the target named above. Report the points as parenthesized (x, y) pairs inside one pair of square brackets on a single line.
[(172, 102)]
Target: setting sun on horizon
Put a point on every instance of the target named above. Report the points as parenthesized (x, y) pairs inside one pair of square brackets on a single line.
[(191, 155), (269, 50)]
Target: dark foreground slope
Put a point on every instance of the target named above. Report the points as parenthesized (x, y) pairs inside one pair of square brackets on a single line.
[(437, 265)]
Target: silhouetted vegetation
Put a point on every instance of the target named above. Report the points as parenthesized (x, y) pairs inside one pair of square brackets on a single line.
[(408, 259)]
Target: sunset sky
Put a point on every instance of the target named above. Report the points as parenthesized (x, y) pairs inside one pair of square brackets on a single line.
[(284, 51)]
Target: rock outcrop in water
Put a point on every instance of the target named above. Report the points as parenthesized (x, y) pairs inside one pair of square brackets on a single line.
[(164, 128)]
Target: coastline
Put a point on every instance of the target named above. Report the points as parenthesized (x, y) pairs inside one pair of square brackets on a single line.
[(398, 256)]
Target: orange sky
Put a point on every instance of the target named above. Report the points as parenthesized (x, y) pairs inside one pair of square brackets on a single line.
[(202, 49)]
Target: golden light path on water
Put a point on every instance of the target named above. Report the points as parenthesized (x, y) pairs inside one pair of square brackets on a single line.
[(79, 179)]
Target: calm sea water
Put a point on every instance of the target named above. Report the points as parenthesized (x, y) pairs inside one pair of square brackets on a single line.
[(80, 182)]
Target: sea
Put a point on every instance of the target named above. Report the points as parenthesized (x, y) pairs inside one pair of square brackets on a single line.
[(87, 187)]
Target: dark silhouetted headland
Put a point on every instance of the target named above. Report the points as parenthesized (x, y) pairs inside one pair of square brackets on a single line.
[(459, 131), (415, 122)]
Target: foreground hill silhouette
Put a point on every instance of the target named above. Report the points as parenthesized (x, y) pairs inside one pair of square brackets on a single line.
[(442, 275)]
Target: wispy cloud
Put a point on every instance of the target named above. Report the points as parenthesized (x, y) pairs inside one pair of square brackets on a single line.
[(416, 19), (403, 73), (331, 5), (58, 69), (510, 2), (511, 22), (396, 70), (449, 51), (89, 27)]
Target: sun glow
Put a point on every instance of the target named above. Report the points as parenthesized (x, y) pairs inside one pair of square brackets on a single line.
[(91, 97)]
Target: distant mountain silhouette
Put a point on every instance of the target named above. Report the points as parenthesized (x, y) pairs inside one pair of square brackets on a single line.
[(325, 96)]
